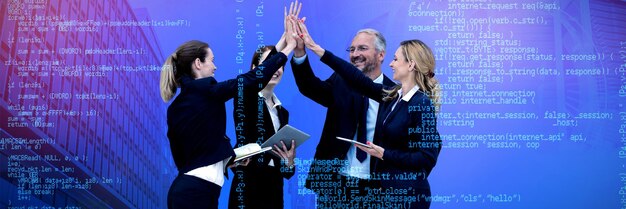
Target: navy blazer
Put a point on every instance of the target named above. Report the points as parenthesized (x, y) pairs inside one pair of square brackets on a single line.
[(344, 105), (408, 133), (196, 119), (257, 185)]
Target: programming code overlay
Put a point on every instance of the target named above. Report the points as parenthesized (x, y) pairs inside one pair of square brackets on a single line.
[(507, 66), (76, 79), (532, 112), (487, 55)]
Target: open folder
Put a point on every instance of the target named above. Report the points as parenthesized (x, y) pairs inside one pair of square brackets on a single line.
[(286, 134), (249, 150)]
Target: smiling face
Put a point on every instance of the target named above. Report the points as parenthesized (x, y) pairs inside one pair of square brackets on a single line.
[(206, 68), (402, 69), (363, 53), (278, 75)]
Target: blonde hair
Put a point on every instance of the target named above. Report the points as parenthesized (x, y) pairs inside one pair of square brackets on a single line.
[(178, 64), (168, 83), (424, 60)]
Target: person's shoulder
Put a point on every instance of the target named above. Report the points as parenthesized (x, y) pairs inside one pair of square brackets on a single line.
[(420, 98), (202, 81), (188, 84), (387, 82), (339, 84)]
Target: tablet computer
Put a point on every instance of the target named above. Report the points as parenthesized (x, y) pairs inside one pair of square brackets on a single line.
[(286, 134), (354, 142)]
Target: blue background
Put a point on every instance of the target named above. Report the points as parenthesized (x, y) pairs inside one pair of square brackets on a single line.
[(582, 166)]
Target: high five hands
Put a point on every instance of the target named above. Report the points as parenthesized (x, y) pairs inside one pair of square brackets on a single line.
[(298, 30), (303, 40), (307, 40), (289, 38), (289, 25)]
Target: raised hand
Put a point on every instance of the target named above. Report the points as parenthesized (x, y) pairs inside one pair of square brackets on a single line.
[(292, 11), (307, 39), (290, 34)]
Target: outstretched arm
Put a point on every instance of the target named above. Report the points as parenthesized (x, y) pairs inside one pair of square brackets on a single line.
[(251, 80), (225, 90), (352, 75), (309, 84)]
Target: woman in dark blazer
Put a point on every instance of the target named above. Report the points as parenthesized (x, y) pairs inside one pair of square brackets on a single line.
[(196, 119), (406, 142), (258, 115)]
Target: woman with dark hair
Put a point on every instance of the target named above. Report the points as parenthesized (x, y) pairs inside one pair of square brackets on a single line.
[(258, 116), (196, 119), (406, 141)]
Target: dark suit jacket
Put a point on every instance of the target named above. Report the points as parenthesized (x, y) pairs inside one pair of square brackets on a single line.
[(196, 119), (344, 105), (257, 185), (408, 133)]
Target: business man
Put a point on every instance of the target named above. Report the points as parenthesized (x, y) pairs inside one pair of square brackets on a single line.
[(340, 173)]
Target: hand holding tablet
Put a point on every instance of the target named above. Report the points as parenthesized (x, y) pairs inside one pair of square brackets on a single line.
[(354, 142)]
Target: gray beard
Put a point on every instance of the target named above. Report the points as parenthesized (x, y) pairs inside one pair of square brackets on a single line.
[(368, 69)]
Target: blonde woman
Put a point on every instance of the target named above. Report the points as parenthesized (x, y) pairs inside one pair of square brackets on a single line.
[(196, 119)]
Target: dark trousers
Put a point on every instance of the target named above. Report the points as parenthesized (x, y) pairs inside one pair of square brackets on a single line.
[(351, 193), (256, 188), (192, 192)]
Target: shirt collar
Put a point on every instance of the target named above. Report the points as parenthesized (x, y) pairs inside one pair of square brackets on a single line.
[(379, 80), (273, 98), (410, 94)]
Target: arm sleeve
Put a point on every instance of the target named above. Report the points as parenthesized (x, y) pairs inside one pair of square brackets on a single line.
[(310, 85), (353, 76), (254, 80), (424, 143), (287, 172), (299, 60)]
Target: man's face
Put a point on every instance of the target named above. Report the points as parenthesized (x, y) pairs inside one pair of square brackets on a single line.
[(363, 54)]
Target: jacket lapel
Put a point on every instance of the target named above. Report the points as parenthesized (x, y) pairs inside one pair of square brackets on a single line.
[(387, 82), (394, 111), (283, 116)]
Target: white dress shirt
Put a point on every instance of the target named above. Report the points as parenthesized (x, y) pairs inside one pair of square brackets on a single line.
[(211, 173), (354, 167), (215, 173), (273, 115)]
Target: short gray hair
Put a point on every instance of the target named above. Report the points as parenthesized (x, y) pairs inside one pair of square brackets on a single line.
[(380, 42)]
